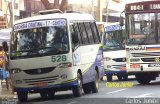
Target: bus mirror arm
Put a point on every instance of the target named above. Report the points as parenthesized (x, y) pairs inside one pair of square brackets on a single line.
[(121, 22)]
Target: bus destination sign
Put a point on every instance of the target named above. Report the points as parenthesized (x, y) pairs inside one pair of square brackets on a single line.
[(148, 6)]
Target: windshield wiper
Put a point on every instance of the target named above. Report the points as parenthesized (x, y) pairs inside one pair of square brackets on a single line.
[(37, 49)]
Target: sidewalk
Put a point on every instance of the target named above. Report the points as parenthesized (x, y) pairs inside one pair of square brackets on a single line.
[(4, 92)]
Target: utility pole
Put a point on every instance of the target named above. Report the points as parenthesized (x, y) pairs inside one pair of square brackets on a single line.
[(107, 11), (12, 12), (99, 10)]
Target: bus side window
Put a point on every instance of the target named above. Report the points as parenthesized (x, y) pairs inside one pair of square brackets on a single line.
[(74, 37)]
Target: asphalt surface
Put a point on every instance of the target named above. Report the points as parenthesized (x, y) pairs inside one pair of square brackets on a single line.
[(116, 92)]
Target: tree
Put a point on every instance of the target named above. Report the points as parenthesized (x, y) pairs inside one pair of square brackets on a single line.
[(57, 5)]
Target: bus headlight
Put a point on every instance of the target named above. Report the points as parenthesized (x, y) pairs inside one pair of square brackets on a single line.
[(107, 58), (18, 81), (16, 70), (65, 65)]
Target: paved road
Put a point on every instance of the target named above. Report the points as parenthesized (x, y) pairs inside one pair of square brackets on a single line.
[(115, 94)]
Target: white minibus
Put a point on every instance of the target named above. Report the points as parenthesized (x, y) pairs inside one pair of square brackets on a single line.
[(55, 52)]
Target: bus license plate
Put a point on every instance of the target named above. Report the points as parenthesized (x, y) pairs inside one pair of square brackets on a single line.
[(40, 84)]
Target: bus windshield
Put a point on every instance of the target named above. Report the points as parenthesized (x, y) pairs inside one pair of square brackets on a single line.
[(39, 41), (114, 39), (143, 28)]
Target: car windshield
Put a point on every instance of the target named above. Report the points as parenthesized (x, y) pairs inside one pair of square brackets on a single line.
[(143, 29), (42, 40)]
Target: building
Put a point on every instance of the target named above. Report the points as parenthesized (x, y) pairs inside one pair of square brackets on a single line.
[(10, 11), (115, 8), (102, 10)]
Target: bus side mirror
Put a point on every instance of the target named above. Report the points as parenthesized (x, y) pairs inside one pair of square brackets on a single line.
[(121, 22)]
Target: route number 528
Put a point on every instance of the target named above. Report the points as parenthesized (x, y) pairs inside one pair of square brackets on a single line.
[(58, 58)]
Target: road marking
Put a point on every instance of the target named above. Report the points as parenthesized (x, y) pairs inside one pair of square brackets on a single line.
[(141, 96), (116, 91), (73, 102), (144, 95)]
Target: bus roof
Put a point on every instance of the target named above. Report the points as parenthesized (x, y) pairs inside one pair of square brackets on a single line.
[(68, 16)]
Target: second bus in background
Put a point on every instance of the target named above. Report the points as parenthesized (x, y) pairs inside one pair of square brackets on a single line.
[(113, 39)]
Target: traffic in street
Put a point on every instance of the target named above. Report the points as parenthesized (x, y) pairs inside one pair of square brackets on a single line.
[(62, 52), (110, 94)]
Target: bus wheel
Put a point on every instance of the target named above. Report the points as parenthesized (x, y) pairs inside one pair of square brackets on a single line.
[(77, 90), (87, 88), (95, 84), (109, 78), (143, 79), (22, 96)]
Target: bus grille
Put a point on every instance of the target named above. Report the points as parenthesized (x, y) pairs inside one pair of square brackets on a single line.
[(148, 59), (146, 54), (51, 79), (119, 59), (39, 70), (119, 66)]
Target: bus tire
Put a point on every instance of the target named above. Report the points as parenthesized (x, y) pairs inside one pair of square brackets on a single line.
[(109, 78), (77, 90), (22, 96), (95, 84), (143, 79), (87, 88)]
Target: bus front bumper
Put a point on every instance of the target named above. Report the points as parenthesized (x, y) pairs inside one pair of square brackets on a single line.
[(57, 87)]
